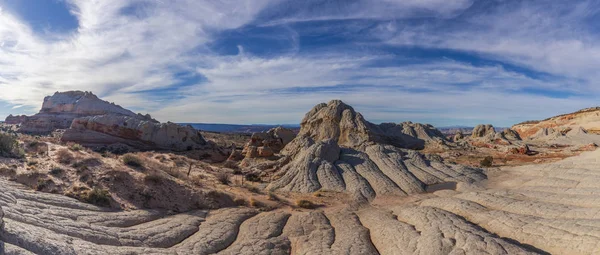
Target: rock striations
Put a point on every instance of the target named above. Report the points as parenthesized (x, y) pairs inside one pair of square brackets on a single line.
[(338, 150)]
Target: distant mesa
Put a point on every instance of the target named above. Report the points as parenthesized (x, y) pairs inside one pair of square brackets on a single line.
[(338, 150), (88, 120)]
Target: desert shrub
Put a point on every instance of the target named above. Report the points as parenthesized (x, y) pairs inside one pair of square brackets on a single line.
[(9, 146), (254, 203), (487, 161), (32, 162), (64, 156), (231, 165), (253, 189), (97, 196), (240, 201), (252, 178), (10, 172), (153, 178), (271, 196), (56, 171), (76, 147), (179, 162), (197, 180), (43, 184), (223, 178), (132, 160), (305, 204)]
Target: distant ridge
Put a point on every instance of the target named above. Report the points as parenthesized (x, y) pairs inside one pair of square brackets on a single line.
[(238, 128)]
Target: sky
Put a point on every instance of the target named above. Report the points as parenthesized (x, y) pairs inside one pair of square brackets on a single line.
[(447, 63)]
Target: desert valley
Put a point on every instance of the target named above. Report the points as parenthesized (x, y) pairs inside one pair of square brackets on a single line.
[(85, 176)]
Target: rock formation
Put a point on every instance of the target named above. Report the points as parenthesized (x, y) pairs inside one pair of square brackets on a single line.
[(139, 133), (587, 119), (267, 144), (483, 131), (338, 150), (13, 120), (458, 136), (534, 209), (91, 121), (59, 110)]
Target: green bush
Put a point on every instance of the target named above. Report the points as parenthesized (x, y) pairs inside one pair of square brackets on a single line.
[(487, 161), (132, 160), (9, 146)]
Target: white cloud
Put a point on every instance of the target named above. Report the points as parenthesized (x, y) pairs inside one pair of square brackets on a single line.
[(118, 56)]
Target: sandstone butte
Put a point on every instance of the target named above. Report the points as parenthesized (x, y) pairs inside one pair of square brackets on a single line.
[(375, 189)]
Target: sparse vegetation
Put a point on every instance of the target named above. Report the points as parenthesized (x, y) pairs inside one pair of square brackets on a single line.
[(132, 160), (253, 177), (64, 156), (32, 162), (75, 147), (154, 178), (10, 172), (97, 196), (305, 204), (56, 171), (254, 202), (487, 161), (253, 189), (9, 146), (271, 196), (223, 178)]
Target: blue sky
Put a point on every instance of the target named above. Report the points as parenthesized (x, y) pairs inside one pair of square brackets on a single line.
[(460, 62)]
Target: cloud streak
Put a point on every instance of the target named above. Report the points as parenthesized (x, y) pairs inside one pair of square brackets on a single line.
[(462, 62)]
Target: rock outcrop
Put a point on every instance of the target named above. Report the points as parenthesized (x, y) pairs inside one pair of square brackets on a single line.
[(338, 150), (91, 121), (139, 133), (587, 119), (483, 131), (59, 110), (267, 144), (13, 120)]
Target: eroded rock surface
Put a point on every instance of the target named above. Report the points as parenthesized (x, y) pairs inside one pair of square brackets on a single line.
[(338, 150)]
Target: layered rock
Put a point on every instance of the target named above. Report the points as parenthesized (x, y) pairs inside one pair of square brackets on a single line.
[(267, 144), (91, 121), (338, 150), (59, 110), (588, 119), (133, 131)]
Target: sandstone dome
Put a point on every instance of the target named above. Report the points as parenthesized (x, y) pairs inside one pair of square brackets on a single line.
[(337, 149)]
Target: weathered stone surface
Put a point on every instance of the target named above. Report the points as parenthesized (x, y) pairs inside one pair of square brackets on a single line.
[(133, 131), (338, 150), (60, 109), (338, 121), (483, 131), (268, 143), (458, 136), (587, 119), (535, 209), (15, 119)]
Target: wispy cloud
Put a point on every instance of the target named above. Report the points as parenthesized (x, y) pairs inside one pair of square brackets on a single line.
[(261, 61)]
